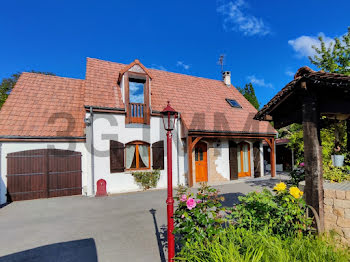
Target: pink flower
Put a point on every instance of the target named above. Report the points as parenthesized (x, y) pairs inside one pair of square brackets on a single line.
[(191, 203), (182, 216), (183, 198), (302, 164), (199, 201)]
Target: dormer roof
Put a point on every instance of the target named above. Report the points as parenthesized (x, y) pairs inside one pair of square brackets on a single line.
[(135, 66)]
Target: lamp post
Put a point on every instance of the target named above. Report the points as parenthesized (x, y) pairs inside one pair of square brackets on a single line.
[(169, 116)]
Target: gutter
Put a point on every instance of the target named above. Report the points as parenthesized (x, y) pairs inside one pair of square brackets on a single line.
[(230, 132), (42, 137), (105, 108)]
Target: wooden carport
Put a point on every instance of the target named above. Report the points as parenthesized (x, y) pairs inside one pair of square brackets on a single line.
[(305, 100)]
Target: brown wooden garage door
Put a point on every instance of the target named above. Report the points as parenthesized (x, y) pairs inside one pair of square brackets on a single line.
[(43, 173)]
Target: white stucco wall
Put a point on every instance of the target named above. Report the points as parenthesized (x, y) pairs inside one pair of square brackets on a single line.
[(223, 162), (11, 147), (112, 127)]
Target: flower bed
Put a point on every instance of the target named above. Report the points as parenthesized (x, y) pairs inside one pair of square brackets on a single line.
[(265, 226)]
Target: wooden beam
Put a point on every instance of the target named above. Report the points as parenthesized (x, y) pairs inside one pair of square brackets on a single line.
[(313, 157), (196, 141), (189, 157), (268, 142)]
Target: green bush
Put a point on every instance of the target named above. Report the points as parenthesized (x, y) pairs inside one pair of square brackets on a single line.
[(297, 175), (283, 213), (335, 174), (197, 217), (243, 245), (147, 179)]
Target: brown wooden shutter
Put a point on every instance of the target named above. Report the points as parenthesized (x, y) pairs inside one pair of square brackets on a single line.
[(116, 156), (256, 151), (233, 160), (158, 155)]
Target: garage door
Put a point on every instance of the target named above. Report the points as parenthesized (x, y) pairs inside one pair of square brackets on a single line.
[(43, 173)]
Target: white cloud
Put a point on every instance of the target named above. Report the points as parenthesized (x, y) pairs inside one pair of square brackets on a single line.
[(159, 67), (289, 73), (303, 44), (181, 64), (259, 81), (236, 19)]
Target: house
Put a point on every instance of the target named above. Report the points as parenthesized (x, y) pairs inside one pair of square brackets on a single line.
[(59, 136)]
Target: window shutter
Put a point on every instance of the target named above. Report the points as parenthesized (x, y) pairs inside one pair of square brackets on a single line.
[(158, 155), (116, 156)]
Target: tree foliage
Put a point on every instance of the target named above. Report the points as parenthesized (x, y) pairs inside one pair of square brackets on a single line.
[(7, 84), (249, 93), (334, 58)]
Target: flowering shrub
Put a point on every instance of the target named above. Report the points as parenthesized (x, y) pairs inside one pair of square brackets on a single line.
[(197, 217), (147, 179), (335, 174), (281, 213), (297, 175)]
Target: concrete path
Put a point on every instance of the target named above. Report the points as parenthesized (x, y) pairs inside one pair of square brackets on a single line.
[(125, 227)]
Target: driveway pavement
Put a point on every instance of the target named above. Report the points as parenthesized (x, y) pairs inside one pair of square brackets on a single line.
[(124, 227)]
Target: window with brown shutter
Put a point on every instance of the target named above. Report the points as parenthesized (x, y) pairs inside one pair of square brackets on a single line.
[(116, 150), (158, 155)]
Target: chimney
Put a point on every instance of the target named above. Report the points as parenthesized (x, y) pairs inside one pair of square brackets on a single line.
[(226, 76)]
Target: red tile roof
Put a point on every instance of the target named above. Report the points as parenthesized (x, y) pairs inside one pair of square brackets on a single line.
[(200, 101), (44, 106)]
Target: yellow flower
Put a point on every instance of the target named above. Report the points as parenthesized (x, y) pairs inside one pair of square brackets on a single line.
[(295, 192), (280, 187)]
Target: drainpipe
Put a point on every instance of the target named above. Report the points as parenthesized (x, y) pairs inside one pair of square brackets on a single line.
[(3, 183), (92, 152)]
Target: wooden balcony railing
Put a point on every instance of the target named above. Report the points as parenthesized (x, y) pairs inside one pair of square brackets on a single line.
[(136, 112)]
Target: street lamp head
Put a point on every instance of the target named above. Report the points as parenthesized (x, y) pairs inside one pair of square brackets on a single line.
[(169, 116)]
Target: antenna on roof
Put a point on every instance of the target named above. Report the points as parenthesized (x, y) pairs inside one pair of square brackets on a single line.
[(221, 62)]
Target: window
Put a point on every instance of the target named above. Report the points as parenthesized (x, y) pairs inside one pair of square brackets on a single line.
[(137, 155), (136, 90), (233, 103)]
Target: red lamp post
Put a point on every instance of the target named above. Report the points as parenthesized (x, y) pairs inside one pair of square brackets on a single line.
[(169, 116)]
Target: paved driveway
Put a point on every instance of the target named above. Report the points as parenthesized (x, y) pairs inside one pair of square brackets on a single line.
[(125, 227)]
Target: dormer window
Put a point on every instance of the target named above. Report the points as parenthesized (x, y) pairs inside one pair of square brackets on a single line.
[(136, 90), (136, 93)]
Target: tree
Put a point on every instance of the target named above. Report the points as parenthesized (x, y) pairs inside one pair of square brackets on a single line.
[(334, 58), (7, 84), (249, 93)]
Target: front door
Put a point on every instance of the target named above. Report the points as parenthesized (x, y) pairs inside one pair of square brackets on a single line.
[(243, 158), (201, 162)]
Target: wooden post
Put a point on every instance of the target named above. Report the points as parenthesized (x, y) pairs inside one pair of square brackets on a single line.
[(189, 156), (348, 135), (313, 156), (272, 158)]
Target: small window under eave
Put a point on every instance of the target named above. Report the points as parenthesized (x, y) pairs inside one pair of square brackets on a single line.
[(233, 103)]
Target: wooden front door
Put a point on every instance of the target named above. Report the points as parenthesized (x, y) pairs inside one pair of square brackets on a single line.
[(201, 162), (243, 158)]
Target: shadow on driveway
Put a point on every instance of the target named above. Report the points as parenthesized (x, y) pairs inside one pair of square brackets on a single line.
[(230, 199), (83, 250)]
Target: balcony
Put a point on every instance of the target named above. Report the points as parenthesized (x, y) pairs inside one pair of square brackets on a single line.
[(136, 113)]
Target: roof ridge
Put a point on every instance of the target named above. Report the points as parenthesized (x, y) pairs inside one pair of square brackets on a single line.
[(165, 71), (52, 76)]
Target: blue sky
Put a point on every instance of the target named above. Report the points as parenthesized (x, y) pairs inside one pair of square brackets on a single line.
[(265, 42)]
